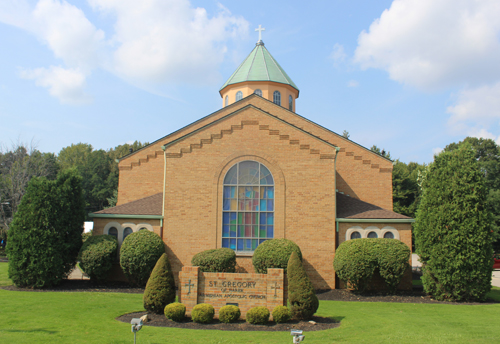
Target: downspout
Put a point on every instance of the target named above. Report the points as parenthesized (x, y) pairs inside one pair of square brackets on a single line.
[(337, 149), (164, 188)]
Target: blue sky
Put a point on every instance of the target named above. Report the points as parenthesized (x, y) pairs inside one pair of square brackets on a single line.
[(409, 76)]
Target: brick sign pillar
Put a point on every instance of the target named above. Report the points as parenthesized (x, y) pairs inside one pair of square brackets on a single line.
[(220, 289), (189, 287)]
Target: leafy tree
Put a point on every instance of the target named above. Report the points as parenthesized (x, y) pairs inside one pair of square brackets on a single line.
[(452, 230), (346, 134), (46, 233), (405, 187), (381, 152), (17, 166)]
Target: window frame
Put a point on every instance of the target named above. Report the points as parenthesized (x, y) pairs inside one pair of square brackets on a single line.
[(239, 96), (277, 97)]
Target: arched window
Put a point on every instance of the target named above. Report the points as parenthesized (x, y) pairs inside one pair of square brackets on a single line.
[(126, 232), (114, 232), (248, 206), (277, 98), (355, 235), (389, 235), (239, 95), (372, 235), (258, 92), (227, 100), (290, 103)]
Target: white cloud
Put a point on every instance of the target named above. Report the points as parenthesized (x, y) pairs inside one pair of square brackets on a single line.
[(338, 54), (65, 84), (154, 41), (436, 151), (353, 83), (435, 43)]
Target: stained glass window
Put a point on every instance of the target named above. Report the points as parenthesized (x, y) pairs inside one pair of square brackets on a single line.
[(114, 232), (126, 232), (290, 103), (248, 206)]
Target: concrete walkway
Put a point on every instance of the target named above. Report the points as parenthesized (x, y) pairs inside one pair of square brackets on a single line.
[(76, 273)]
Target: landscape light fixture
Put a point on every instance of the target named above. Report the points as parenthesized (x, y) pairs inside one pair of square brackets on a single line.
[(297, 336), (136, 326)]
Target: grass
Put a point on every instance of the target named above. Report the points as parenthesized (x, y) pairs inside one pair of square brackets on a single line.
[(58, 317)]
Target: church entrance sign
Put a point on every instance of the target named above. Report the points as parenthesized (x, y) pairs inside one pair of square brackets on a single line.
[(241, 289)]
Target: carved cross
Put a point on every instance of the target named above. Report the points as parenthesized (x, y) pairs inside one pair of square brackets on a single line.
[(189, 285), (276, 287), (260, 29)]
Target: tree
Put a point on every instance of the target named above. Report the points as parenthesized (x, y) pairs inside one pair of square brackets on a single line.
[(46, 233), (160, 289), (405, 188), (381, 152), (303, 300), (345, 134), (17, 166), (452, 229)]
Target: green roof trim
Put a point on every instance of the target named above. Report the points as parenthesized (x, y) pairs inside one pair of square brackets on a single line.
[(260, 66), (126, 216), (377, 220)]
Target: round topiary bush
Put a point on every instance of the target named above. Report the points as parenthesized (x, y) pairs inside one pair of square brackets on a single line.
[(281, 314), (216, 260), (175, 311), (229, 314), (160, 289), (258, 315), (274, 253), (203, 313), (97, 255), (138, 255)]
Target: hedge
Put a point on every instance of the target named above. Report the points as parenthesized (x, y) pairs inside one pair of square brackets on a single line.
[(274, 253), (258, 315), (175, 311), (160, 289), (356, 261), (301, 295), (203, 313), (215, 260), (138, 255), (229, 314), (97, 255)]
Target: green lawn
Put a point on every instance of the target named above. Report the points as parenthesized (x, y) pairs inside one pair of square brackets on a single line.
[(51, 317)]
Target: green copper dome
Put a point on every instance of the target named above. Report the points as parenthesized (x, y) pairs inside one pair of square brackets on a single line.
[(260, 66)]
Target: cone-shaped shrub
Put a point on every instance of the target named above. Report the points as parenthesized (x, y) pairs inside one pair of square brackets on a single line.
[(160, 289), (303, 300), (138, 255), (274, 254), (97, 255)]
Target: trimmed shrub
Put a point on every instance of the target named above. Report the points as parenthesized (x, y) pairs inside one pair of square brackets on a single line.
[(138, 255), (175, 311), (216, 260), (274, 254), (229, 314), (258, 315), (97, 255), (356, 261), (45, 235), (453, 228), (160, 289), (203, 313), (303, 300), (281, 314)]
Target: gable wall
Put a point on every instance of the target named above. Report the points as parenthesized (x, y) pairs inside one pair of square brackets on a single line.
[(302, 167)]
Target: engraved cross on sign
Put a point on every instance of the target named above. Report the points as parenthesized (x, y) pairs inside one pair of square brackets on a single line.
[(260, 29), (276, 287), (189, 285)]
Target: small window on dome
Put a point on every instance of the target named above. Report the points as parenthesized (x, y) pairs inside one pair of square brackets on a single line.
[(277, 98), (389, 235), (227, 101), (290, 103), (355, 235), (372, 235), (258, 92), (239, 95)]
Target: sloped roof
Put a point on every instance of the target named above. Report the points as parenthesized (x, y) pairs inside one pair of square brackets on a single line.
[(352, 208), (260, 66), (145, 206)]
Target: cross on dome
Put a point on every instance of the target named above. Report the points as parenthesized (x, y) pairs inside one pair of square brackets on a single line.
[(260, 29)]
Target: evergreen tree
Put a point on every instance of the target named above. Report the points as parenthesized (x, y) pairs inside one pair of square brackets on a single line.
[(46, 233), (160, 289), (303, 300), (453, 228)]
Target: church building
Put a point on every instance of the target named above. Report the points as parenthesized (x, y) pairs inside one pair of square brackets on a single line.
[(252, 171)]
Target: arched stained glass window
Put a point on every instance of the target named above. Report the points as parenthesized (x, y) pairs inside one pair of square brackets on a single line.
[(290, 103), (114, 232), (248, 206), (227, 100), (258, 92), (277, 98), (239, 95), (126, 232)]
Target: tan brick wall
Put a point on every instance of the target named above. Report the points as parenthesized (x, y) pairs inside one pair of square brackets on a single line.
[(248, 290)]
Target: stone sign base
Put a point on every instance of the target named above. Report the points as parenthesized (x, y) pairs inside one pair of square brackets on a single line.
[(220, 289)]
